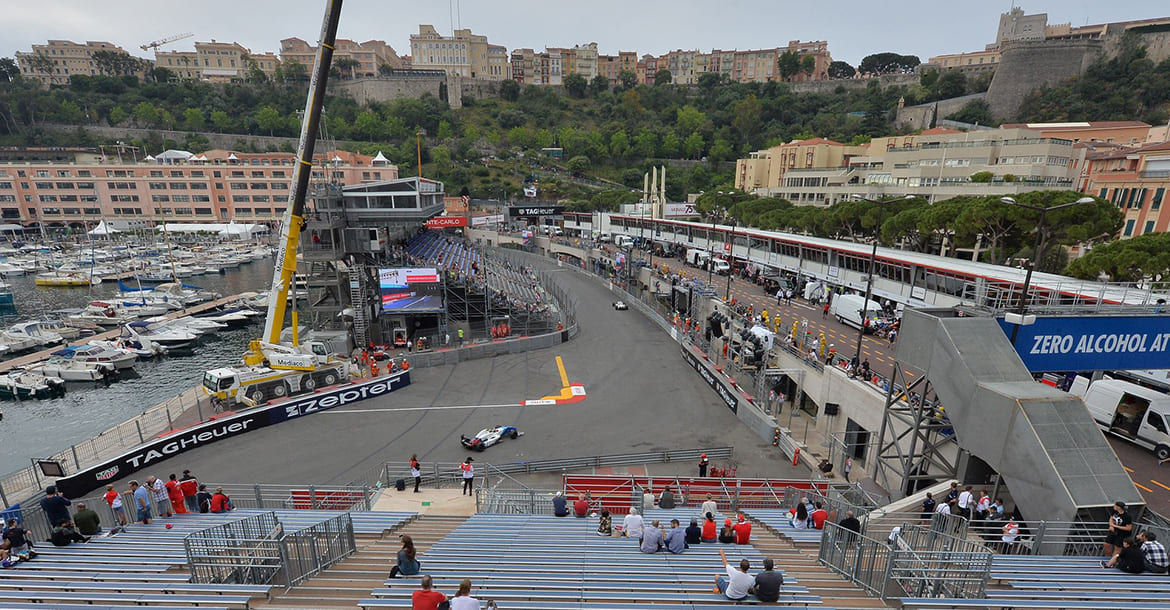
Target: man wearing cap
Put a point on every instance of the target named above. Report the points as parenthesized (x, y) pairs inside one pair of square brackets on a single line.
[(560, 505), (703, 463), (1120, 527), (743, 531), (468, 475)]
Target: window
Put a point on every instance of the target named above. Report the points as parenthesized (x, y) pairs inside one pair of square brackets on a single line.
[(84, 173), (6, 186), (198, 173), (201, 199), (263, 211), (1149, 227), (183, 211), (1129, 227), (258, 186), (256, 173), (93, 211), (68, 197), (89, 198), (157, 186), (280, 186), (260, 198), (176, 173), (156, 173), (47, 198), (1155, 421), (42, 173), (1156, 202), (239, 186), (48, 186), (237, 173), (243, 210), (203, 211), (84, 185), (62, 173), (160, 198), (181, 198), (197, 186), (179, 186), (240, 199), (64, 185)]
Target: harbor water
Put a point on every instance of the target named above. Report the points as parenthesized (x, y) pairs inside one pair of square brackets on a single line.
[(37, 428)]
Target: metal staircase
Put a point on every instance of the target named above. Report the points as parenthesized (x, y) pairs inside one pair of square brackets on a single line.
[(357, 300)]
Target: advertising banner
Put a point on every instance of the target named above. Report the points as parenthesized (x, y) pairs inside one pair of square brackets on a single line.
[(410, 290), (716, 384), (149, 454), (480, 221), (443, 222), (1093, 343), (529, 211), (677, 210)]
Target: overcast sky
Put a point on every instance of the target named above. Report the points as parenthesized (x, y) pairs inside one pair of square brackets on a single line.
[(853, 28)]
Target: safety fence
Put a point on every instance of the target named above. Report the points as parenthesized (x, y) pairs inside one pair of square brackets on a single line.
[(18, 485), (256, 550), (300, 497), (915, 561), (1069, 538)]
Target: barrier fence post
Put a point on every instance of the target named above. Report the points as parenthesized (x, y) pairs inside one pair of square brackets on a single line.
[(76, 462), (366, 495), (386, 475), (259, 496), (138, 426), (313, 497), (1038, 539), (167, 409)]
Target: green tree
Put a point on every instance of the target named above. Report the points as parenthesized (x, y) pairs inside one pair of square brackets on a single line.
[(663, 77), (145, 114), (952, 83), (221, 121), (1144, 257), (627, 79), (976, 112), (193, 119), (511, 118), (747, 115), (841, 69), (578, 164), (721, 150), (293, 71), (645, 143), (598, 84), (888, 63), (544, 138), (694, 145), (619, 144), (162, 75), (808, 64), (269, 119), (116, 63), (670, 145), (385, 69), (1069, 225), (348, 65), (445, 131), (8, 69), (984, 176), (576, 85), (510, 90), (689, 119), (117, 115), (788, 64), (70, 112), (367, 126)]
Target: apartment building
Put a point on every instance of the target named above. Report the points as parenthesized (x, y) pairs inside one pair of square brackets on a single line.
[(213, 186), (1124, 133), (938, 164), (53, 63), (648, 67), (370, 55), (1136, 181), (611, 66), (819, 51), (462, 54), (216, 62), (764, 170), (525, 66)]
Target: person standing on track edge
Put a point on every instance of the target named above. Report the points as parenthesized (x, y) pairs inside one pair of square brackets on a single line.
[(703, 463), (414, 471), (468, 476)]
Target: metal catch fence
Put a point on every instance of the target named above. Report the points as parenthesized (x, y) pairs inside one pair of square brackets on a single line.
[(245, 551)]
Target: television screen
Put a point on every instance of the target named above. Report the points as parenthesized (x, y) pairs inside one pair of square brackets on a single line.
[(411, 290)]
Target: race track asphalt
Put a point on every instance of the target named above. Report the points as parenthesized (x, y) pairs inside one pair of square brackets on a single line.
[(641, 397)]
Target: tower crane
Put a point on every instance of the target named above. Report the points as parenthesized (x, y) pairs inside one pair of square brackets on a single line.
[(169, 39)]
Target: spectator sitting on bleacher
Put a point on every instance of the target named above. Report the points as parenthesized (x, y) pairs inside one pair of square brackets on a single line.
[(65, 534), (605, 524), (768, 583), (666, 500), (709, 506), (632, 524), (87, 521), (203, 499), (581, 507), (18, 540), (800, 517), (220, 502), (652, 538), (727, 534), (1128, 559), (426, 598), (694, 533), (462, 600), (1154, 553), (710, 533), (736, 585), (819, 516), (560, 505), (408, 564), (647, 499), (675, 540), (743, 531)]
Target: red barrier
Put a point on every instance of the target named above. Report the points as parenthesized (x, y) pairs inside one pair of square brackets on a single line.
[(302, 499)]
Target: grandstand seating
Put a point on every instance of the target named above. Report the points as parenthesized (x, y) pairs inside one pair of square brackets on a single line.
[(540, 561), (145, 565), (778, 522)]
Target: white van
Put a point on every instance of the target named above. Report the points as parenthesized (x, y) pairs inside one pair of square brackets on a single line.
[(623, 241), (1128, 410), (721, 266), (698, 257), (847, 308)]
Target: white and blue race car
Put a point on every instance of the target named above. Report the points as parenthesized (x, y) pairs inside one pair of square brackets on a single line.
[(489, 436)]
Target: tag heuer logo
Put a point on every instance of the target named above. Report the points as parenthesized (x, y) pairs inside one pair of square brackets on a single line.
[(107, 474)]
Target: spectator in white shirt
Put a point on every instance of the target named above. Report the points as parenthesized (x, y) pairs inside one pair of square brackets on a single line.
[(738, 582), (709, 507)]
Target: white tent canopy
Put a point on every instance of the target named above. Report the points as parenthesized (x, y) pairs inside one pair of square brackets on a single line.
[(234, 230), (103, 229), (173, 156)]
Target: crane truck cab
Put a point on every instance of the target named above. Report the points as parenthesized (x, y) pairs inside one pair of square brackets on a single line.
[(273, 370)]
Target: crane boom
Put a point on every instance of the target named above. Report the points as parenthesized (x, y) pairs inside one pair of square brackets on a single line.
[(290, 231), (169, 39)]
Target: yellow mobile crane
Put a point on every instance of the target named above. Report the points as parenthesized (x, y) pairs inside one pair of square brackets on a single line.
[(271, 369)]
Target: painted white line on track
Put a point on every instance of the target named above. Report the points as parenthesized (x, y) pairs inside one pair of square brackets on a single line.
[(442, 408)]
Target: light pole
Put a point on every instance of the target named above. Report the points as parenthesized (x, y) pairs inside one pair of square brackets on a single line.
[(872, 264), (1019, 317), (731, 242)]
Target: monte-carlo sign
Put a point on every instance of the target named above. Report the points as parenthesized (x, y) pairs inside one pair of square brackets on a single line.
[(1094, 343)]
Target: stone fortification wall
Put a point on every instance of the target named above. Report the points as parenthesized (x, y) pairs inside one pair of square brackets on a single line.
[(924, 116), (1025, 66)]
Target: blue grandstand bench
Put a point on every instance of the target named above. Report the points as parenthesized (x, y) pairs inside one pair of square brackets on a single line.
[(37, 606), (1159, 594), (160, 578), (222, 601), (931, 603), (1083, 585), (37, 565), (125, 587), (1103, 577), (372, 604), (585, 584), (527, 593)]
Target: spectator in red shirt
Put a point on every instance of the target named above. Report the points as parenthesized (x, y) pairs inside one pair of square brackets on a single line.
[(709, 529), (819, 516), (189, 485), (743, 531), (580, 507), (426, 598), (176, 495), (220, 503)]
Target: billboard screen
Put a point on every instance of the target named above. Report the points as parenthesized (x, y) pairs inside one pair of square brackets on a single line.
[(1093, 343), (535, 210), (410, 290)]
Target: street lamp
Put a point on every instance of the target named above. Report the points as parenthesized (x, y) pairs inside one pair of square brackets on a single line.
[(1018, 319), (730, 242), (872, 264)]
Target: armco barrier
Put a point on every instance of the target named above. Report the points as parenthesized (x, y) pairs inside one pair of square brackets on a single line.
[(91, 478)]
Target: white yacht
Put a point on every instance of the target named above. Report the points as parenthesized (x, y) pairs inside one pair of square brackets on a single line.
[(121, 359), (74, 370), (157, 332), (36, 331)]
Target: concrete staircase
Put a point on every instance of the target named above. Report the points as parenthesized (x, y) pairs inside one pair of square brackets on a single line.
[(351, 580), (800, 561)]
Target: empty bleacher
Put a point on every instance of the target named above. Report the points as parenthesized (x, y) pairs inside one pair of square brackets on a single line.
[(146, 565), (538, 561)]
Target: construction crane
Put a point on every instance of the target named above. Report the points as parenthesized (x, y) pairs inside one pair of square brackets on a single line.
[(169, 39), (271, 369)]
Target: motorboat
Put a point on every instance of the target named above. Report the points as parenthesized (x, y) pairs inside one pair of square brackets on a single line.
[(65, 279), (67, 332), (157, 332), (15, 343), (5, 295), (121, 359), (150, 350), (10, 269), (3, 349), (74, 370), (23, 385), (36, 331), (236, 316), (182, 295), (103, 313), (193, 324)]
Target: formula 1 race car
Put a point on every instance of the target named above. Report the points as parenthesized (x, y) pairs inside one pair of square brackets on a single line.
[(489, 436), (620, 305)]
